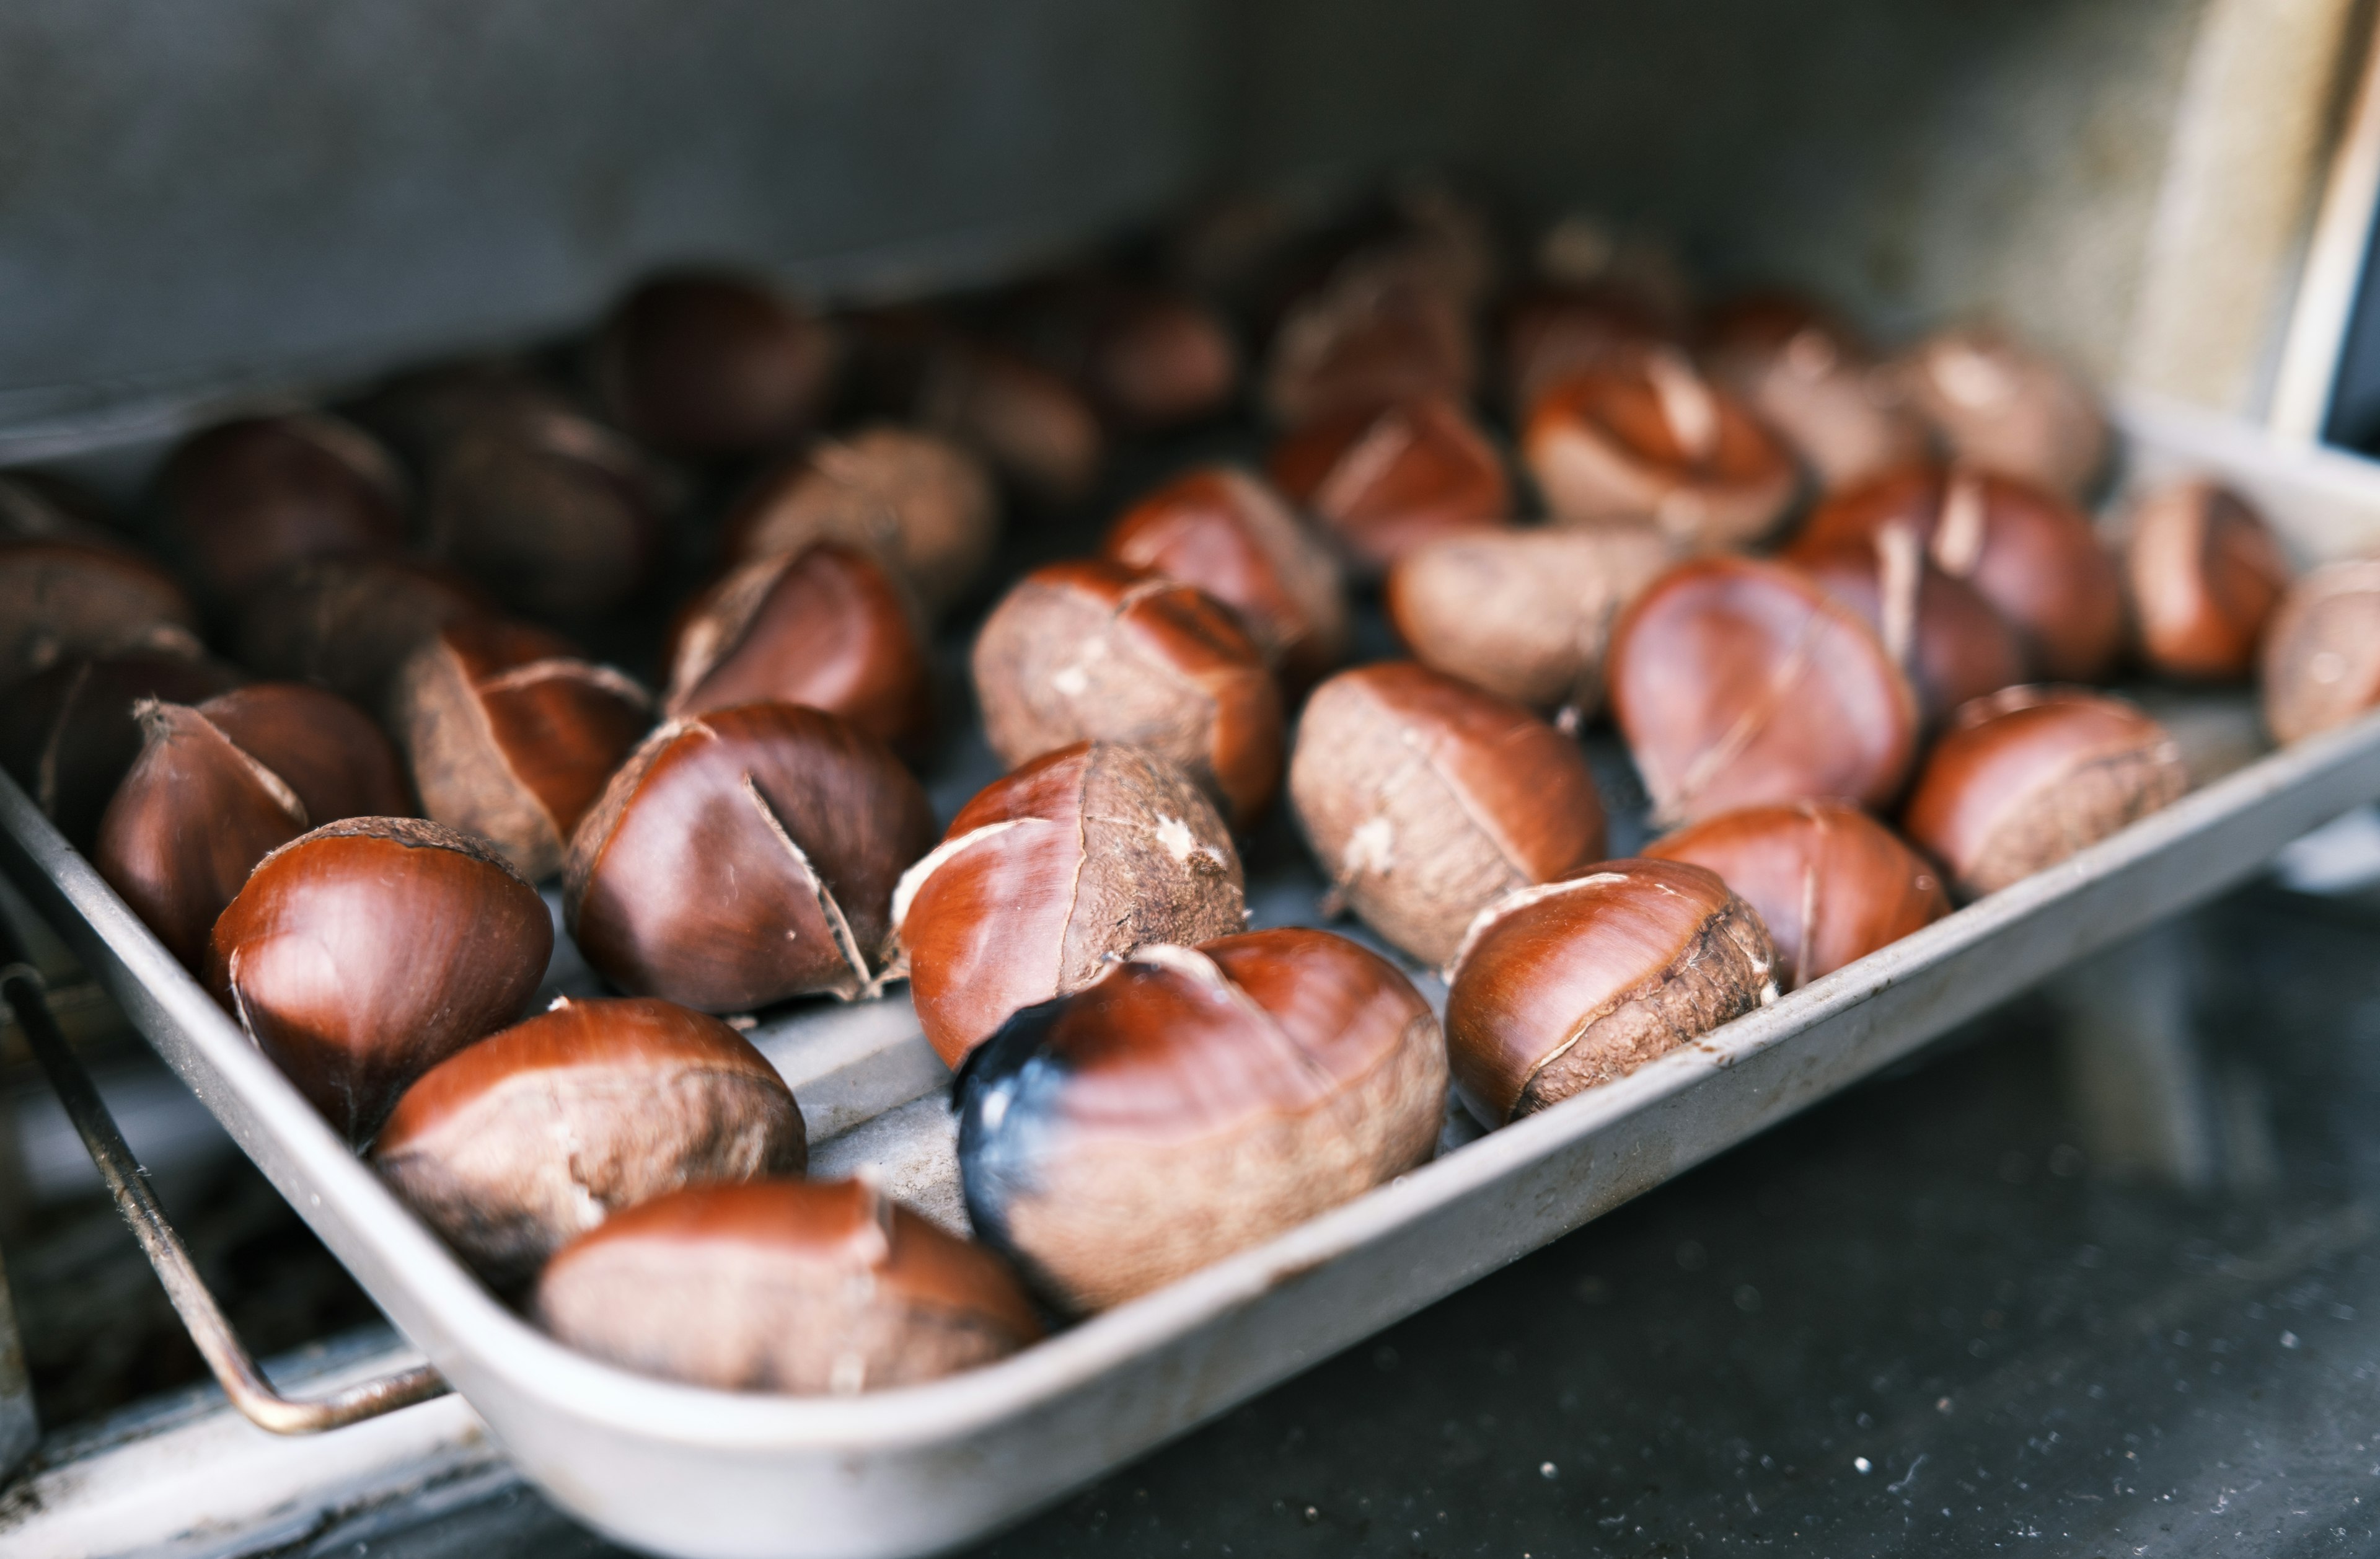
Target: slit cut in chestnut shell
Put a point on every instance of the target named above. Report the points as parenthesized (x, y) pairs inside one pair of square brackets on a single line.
[(1383, 480)]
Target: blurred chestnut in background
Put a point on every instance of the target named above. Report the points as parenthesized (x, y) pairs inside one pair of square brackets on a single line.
[(1036, 429), (63, 601), (1831, 885), (511, 735), (1804, 373), (801, 1287), (1427, 800), (1951, 643), (348, 623), (2000, 405), (1554, 331), (1381, 330), (517, 1144), (68, 734), (2026, 778), (744, 856), (246, 499), (701, 364), (1225, 530), (1149, 356), (2205, 576), (1089, 651), (1192, 1102), (1079, 857), (2031, 553), (1386, 479), (362, 954), (1525, 615), (2322, 652), (37, 506), (1574, 983), (827, 626), (1737, 681)]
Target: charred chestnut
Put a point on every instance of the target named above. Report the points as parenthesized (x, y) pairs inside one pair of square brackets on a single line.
[(2206, 576), (244, 500), (65, 600), (1803, 372), (1951, 643), (348, 623), (2007, 407), (68, 734), (2322, 653), (714, 365), (1383, 482)]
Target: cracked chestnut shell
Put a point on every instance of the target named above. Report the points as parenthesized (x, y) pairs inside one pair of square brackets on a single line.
[(1090, 651), (1080, 856), (745, 856), (710, 364), (348, 623), (246, 499), (361, 954), (1192, 1102), (2007, 407), (802, 1287), (1578, 982), (67, 599), (2026, 778), (1382, 329), (1814, 384), (517, 1144), (1385, 480), (1831, 885), (2321, 663), (2205, 576), (68, 734), (1038, 429), (1951, 643), (1426, 799)]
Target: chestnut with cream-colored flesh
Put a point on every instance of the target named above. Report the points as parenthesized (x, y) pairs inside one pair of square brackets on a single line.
[(919, 502), (1951, 643), (2322, 654), (348, 623), (246, 499), (2206, 576), (703, 365), (2007, 408), (1814, 382), (1385, 480), (66, 601)]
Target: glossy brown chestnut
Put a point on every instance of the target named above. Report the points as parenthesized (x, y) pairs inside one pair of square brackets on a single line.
[(510, 736), (1077, 857), (1225, 530), (68, 734), (1385, 481), (2205, 576), (800, 1287), (1803, 372), (828, 627), (1088, 651), (2026, 778), (1427, 800), (2321, 663), (348, 623), (1951, 643), (1555, 332), (2028, 552), (513, 1146), (1382, 330), (1738, 682), (1525, 615), (245, 500), (745, 856), (362, 954), (1654, 442), (1036, 429), (707, 364), (1574, 983), (1192, 1102), (2007, 407), (63, 601), (1831, 883)]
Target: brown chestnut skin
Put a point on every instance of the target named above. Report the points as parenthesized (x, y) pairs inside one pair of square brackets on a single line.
[(1223, 530), (511, 735), (1738, 681), (1951, 643), (2002, 406), (2205, 576), (1036, 429), (829, 627), (244, 500), (1192, 1103), (1804, 373), (801, 1287), (361, 954), (519, 1143), (745, 856), (2031, 553), (2024, 779), (68, 734), (1525, 615), (2322, 653), (219, 787), (1577, 982), (1077, 857), (1089, 651), (705, 364), (1150, 356), (1426, 800), (1654, 442), (1556, 331), (64, 599), (348, 623), (1379, 331), (1386, 481), (1831, 883), (921, 503)]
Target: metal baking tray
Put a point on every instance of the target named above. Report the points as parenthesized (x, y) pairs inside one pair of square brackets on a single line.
[(695, 1473)]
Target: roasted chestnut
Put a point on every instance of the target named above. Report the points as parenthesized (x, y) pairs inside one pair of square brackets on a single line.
[(1831, 885), (1385, 480), (1226, 531), (1027, 421), (1737, 682), (515, 1145), (2206, 576), (706, 364), (2322, 652), (1150, 357), (362, 954), (1427, 800), (1088, 651), (784, 1285), (2000, 405), (1192, 1102), (244, 500), (1951, 643), (1564, 986), (511, 735), (68, 734), (1077, 859), (2026, 778), (63, 601), (348, 623), (1383, 329), (1803, 372), (1554, 331), (744, 856)]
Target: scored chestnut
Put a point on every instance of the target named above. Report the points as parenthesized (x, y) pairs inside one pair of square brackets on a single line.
[(802, 1287), (2026, 778), (2322, 652), (2007, 407), (515, 1145), (1381, 330), (1384, 481), (1556, 331), (68, 734), (1803, 372), (361, 954), (1572, 984), (1090, 651), (67, 599), (1079, 857), (1951, 643), (348, 623), (1427, 800), (2205, 576), (706, 364), (1192, 1102), (1034, 427), (246, 499)]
